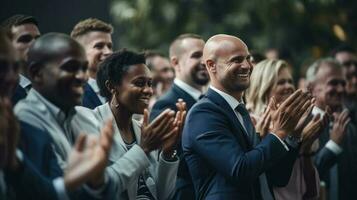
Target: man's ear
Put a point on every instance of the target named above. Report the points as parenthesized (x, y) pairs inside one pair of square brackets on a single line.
[(35, 72), (211, 66), (174, 63)]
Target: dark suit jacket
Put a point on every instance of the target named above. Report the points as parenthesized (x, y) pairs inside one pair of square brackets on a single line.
[(28, 183), (37, 146), (221, 158), (90, 98), (184, 187), (20, 93), (346, 162)]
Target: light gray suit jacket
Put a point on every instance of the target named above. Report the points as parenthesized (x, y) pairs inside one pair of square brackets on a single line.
[(126, 165)]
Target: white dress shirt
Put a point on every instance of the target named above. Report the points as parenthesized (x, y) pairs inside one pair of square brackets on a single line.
[(93, 83), (193, 92)]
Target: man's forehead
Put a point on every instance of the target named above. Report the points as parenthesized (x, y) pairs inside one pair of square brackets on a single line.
[(25, 28), (192, 44), (96, 36), (344, 55), (327, 72)]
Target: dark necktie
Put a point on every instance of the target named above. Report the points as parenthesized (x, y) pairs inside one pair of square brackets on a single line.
[(247, 122), (264, 188)]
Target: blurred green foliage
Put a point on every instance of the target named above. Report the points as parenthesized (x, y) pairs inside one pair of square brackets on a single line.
[(304, 28)]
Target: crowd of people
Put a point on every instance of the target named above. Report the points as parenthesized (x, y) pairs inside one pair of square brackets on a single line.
[(213, 120)]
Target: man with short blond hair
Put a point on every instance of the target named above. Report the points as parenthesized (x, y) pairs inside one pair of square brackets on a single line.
[(95, 36)]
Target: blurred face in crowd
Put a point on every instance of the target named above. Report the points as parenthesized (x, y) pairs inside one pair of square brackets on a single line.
[(135, 90), (98, 45), (233, 66), (8, 68), (284, 86), (22, 38), (191, 70), (61, 80), (329, 87), (162, 69), (349, 63)]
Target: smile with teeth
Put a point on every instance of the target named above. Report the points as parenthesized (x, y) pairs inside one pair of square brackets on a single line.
[(243, 75)]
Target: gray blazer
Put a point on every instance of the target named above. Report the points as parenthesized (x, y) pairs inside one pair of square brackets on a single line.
[(125, 165)]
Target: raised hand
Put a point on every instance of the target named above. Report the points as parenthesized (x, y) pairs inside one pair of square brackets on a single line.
[(9, 135), (88, 159), (312, 131), (286, 117), (171, 138), (152, 135), (263, 123), (339, 126)]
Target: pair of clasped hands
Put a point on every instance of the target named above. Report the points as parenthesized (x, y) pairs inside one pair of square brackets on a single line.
[(293, 118)]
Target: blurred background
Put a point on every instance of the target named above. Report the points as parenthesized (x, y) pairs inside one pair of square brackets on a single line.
[(296, 30)]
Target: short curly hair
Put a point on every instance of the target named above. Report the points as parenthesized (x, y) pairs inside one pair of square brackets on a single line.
[(114, 68), (90, 24)]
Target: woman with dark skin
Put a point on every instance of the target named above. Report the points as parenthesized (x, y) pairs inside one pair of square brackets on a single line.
[(143, 157)]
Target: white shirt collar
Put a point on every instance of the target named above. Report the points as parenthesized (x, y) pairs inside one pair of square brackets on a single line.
[(193, 92), (24, 82), (316, 110), (93, 83), (233, 102)]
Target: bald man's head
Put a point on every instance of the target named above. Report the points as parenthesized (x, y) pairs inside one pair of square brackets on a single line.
[(57, 66), (228, 63)]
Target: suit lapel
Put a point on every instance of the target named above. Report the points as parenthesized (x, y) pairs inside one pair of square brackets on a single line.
[(238, 129), (92, 95), (184, 95)]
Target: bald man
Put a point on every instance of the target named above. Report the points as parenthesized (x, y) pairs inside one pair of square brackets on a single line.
[(225, 156)]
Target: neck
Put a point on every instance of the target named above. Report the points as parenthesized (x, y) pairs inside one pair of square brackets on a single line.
[(236, 94), (92, 74), (122, 117), (191, 83)]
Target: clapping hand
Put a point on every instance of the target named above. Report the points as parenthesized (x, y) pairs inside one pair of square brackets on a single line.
[(263, 124), (312, 131), (88, 159), (286, 116), (340, 123), (172, 137), (154, 134)]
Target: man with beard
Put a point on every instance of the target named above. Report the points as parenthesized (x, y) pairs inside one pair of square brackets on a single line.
[(95, 36), (226, 157), (23, 31), (191, 76), (347, 57), (336, 159)]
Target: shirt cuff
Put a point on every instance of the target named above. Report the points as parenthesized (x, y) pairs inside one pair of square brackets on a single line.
[(281, 141), (335, 148), (60, 188), (19, 155), (96, 193)]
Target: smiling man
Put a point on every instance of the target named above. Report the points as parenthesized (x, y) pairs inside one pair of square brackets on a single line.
[(191, 76), (23, 31), (95, 36)]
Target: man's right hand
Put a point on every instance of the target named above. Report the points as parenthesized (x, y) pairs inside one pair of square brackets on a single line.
[(339, 128), (286, 116)]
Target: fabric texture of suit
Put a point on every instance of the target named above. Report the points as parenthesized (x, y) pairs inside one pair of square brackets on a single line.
[(184, 185), (20, 93), (90, 98), (125, 166), (346, 162), (222, 158), (37, 147)]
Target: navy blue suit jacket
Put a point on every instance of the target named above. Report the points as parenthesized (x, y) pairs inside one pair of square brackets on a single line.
[(90, 98), (223, 162), (36, 145), (184, 187)]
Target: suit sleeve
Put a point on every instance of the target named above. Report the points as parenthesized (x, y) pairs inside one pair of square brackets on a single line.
[(160, 106), (324, 160), (216, 143), (166, 178)]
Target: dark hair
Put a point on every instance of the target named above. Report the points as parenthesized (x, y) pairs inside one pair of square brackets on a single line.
[(115, 67), (17, 20), (343, 48)]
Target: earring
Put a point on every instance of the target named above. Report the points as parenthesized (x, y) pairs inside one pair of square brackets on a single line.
[(112, 102)]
